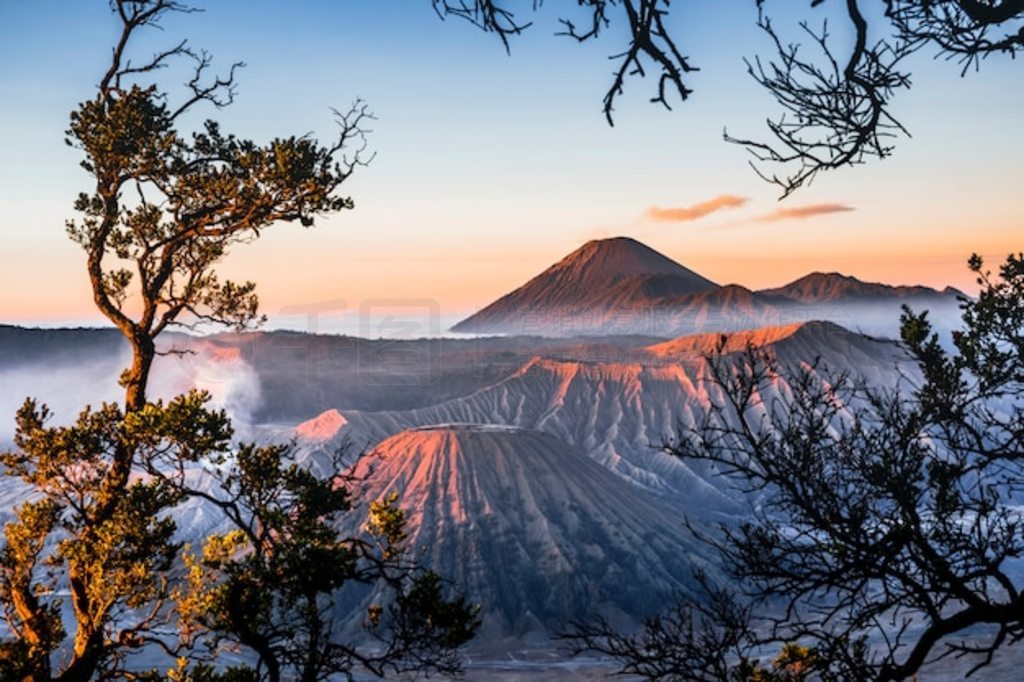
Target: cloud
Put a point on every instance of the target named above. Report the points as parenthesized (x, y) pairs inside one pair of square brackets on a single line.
[(695, 212), (802, 212)]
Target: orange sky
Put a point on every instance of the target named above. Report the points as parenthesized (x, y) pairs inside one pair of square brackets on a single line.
[(296, 267), (490, 167)]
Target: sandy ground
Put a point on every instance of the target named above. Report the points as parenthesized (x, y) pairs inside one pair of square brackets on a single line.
[(541, 672)]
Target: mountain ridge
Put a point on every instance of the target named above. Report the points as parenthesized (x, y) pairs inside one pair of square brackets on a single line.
[(621, 286), (618, 412), (821, 287)]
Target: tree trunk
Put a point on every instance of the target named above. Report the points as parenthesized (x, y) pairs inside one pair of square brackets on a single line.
[(84, 664), (137, 376), (311, 666), (88, 633), (88, 639), (35, 632), (250, 637)]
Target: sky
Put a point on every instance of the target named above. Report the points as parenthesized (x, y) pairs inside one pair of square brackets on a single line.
[(491, 166)]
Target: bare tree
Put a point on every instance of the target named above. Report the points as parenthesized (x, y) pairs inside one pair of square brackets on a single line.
[(651, 46), (888, 524), (835, 106)]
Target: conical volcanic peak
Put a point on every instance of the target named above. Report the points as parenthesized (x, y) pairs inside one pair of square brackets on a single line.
[(595, 268), (606, 261), (619, 286), (580, 289)]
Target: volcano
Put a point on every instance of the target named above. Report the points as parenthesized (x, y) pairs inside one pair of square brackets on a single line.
[(619, 286), (586, 290), (533, 530)]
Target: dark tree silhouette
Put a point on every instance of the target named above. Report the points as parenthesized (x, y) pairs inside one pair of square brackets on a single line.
[(835, 106), (889, 523), (274, 584), (165, 208)]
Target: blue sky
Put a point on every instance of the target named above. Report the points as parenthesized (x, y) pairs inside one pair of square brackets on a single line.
[(490, 167)]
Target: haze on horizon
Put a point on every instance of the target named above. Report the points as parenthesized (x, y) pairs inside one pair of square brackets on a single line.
[(490, 166)]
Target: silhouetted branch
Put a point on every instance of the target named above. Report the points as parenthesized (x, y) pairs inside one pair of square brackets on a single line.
[(649, 39), (880, 512), (704, 637), (835, 112), (487, 15), (835, 108), (650, 45), (966, 31), (220, 92)]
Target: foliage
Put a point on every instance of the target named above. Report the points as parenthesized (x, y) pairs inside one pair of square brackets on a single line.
[(885, 515), (165, 208), (273, 584), (112, 541), (835, 106)]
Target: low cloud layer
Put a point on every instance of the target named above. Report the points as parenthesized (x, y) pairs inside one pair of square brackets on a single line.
[(67, 384), (802, 212), (697, 211)]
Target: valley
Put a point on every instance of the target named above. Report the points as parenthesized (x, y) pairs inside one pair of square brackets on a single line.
[(531, 467)]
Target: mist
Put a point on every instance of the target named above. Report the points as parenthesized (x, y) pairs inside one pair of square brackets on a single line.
[(69, 381)]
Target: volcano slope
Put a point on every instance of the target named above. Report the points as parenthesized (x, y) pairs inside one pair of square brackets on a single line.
[(589, 290), (533, 530), (620, 412)]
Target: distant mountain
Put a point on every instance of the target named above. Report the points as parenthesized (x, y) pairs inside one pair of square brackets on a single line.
[(618, 411), (528, 527), (620, 286), (868, 307), (23, 346), (831, 287), (600, 278), (703, 344), (296, 375), (545, 495), (727, 308)]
